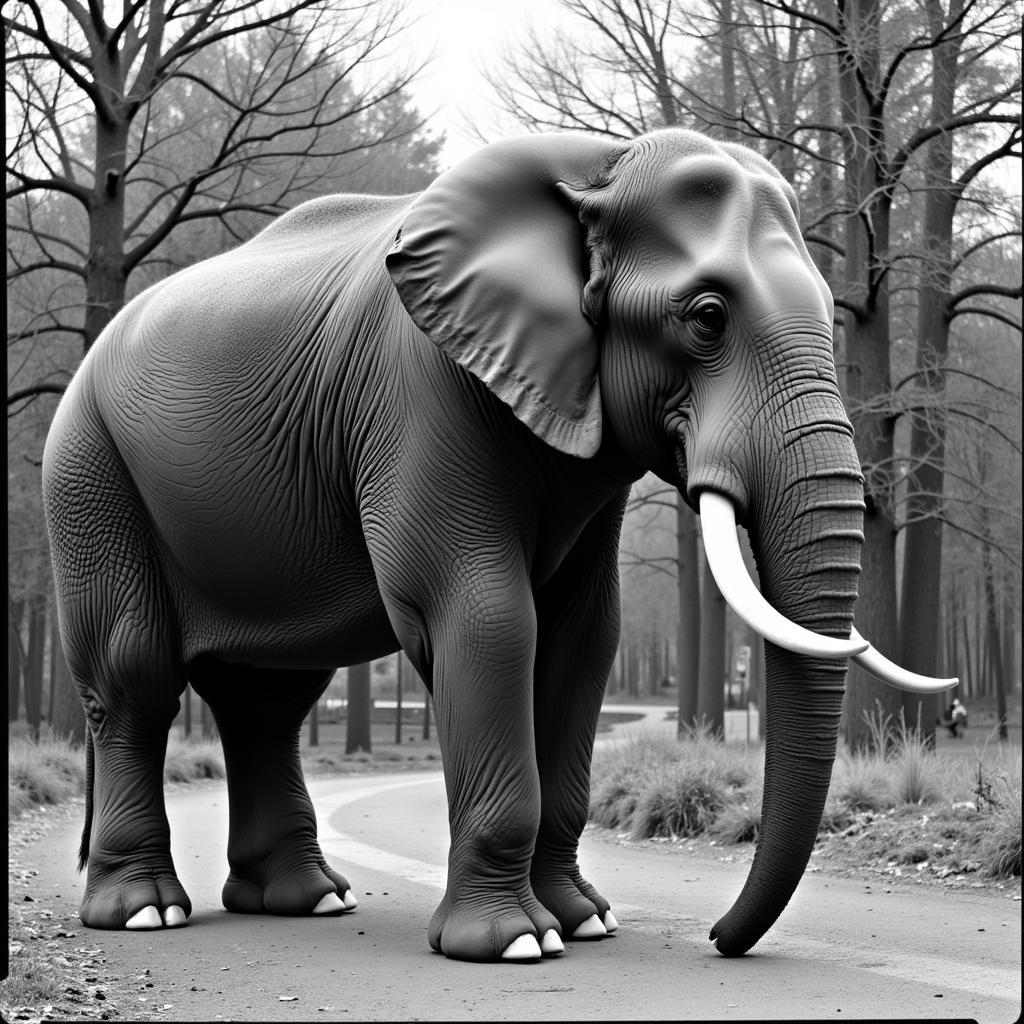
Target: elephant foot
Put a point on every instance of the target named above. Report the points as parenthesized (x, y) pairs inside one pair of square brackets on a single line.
[(581, 911), (275, 886), (505, 930), (134, 896)]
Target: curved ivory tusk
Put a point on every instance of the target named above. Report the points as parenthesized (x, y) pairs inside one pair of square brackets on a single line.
[(889, 672), (718, 525)]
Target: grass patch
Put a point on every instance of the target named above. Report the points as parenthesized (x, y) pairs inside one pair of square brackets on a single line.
[(193, 759), (860, 783), (737, 823), (1000, 847), (654, 785), (49, 772), (899, 807), (902, 805), (682, 803), (34, 978), (46, 772)]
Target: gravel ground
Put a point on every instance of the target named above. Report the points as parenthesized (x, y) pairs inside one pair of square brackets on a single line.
[(89, 988)]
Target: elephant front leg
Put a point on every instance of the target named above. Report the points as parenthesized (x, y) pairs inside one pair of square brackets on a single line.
[(131, 880), (578, 632), (276, 864), (483, 648)]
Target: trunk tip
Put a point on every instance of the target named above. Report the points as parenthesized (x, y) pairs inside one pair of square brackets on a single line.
[(729, 946)]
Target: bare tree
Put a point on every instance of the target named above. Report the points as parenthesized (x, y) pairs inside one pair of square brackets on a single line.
[(132, 130), (614, 74), (195, 109), (944, 187)]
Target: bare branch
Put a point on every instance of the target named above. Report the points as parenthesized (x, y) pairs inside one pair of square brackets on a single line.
[(34, 391)]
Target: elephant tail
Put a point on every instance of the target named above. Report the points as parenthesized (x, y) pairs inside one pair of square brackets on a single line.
[(90, 771)]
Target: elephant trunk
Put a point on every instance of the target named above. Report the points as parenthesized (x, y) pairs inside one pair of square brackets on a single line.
[(806, 531), (804, 701)]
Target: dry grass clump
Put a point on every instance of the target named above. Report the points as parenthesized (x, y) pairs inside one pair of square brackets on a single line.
[(684, 802), (49, 771), (328, 760), (898, 805), (901, 804), (191, 759), (737, 822), (654, 785), (999, 848), (33, 979), (859, 783)]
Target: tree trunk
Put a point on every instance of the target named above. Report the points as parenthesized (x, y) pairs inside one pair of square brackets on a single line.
[(711, 688), (1009, 637), (314, 725), (786, 106), (990, 643), (398, 698), (186, 698), (867, 340), (966, 672), (357, 717), (632, 670), (727, 53), (950, 620), (922, 537), (981, 682), (67, 717), (106, 274), (208, 725), (688, 625), (824, 175), (756, 679), (15, 613), (34, 662)]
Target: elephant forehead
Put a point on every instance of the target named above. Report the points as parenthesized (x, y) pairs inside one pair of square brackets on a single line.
[(695, 200), (708, 221)]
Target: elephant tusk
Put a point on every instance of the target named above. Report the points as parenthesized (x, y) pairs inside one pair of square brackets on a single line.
[(718, 526), (903, 679)]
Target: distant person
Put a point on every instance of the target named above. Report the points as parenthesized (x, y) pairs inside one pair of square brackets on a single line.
[(957, 718)]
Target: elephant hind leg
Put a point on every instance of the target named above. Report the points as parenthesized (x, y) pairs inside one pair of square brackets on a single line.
[(120, 637), (276, 864)]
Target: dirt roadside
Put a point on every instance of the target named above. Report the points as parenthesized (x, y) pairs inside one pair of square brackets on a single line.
[(93, 989)]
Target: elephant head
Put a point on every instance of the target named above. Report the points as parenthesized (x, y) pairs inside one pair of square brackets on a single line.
[(656, 297)]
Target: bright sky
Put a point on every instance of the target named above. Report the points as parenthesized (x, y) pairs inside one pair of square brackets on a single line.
[(465, 36)]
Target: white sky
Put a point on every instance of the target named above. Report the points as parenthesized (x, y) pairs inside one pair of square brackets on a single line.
[(465, 36)]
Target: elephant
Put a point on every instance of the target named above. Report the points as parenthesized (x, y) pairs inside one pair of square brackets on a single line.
[(411, 423)]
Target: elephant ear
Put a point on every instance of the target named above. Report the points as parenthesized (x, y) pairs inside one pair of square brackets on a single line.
[(490, 263)]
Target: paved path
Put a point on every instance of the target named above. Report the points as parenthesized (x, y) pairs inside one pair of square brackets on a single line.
[(843, 949)]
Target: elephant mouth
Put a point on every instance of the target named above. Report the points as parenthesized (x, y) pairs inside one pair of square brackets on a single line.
[(718, 527)]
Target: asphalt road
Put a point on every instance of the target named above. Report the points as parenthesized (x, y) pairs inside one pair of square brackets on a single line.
[(843, 949)]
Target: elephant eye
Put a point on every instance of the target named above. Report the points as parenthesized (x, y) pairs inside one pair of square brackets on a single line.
[(708, 320)]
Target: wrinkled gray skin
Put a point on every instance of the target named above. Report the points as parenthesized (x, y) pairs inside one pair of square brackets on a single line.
[(327, 444)]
